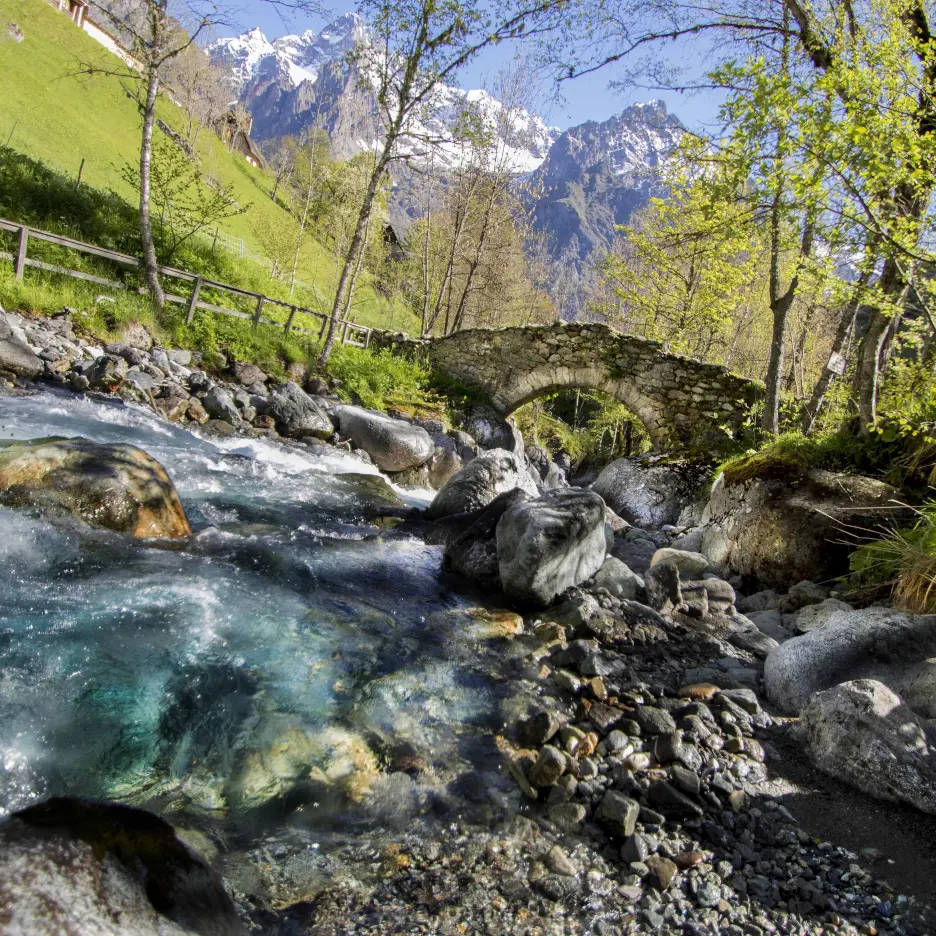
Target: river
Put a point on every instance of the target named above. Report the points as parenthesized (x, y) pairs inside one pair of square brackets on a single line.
[(295, 665)]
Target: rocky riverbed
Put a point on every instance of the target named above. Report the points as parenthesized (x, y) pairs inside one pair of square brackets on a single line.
[(528, 717)]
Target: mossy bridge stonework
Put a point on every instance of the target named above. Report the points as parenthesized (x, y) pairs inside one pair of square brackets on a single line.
[(683, 403)]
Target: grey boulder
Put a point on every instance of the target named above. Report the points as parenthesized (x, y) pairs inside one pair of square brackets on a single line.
[(219, 403), (296, 414), (492, 431), (782, 529), (617, 579), (877, 643), (15, 355), (393, 444), (549, 544), (102, 869), (475, 485), (649, 490), (862, 733)]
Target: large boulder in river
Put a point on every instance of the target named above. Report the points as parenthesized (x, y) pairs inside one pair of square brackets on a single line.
[(862, 733), (549, 544), (15, 355), (784, 526), (297, 415), (474, 486), (393, 444), (471, 540), (876, 643), (102, 869), (491, 430), (117, 487), (651, 490)]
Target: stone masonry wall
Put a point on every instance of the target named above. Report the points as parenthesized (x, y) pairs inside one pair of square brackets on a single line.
[(680, 401)]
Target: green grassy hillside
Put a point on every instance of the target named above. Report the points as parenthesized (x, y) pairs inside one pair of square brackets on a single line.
[(52, 114)]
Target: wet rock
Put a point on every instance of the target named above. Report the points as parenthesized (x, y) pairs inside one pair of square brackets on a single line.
[(471, 542), (74, 866), (444, 463), (394, 444), (491, 431), (549, 767), (616, 579), (219, 403), (107, 373), (297, 415), (651, 490), (862, 733), (476, 623), (479, 482), (617, 814), (634, 849), (877, 643), (536, 730), (15, 355), (558, 862), (783, 528), (547, 545), (220, 428), (117, 487)]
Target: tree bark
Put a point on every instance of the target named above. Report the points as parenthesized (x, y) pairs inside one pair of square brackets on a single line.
[(150, 266), (356, 245), (843, 331), (872, 349)]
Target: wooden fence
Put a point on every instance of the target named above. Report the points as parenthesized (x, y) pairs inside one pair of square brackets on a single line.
[(348, 332)]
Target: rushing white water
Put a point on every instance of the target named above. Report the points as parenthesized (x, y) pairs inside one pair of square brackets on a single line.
[(282, 642)]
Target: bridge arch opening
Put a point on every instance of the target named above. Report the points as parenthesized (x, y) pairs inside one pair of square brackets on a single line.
[(590, 426)]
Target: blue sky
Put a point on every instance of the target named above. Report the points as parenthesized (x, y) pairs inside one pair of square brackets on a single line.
[(586, 98)]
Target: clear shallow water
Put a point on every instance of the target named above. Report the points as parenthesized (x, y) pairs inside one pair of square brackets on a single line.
[(281, 656)]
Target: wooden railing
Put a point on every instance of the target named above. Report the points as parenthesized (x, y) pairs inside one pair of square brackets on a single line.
[(348, 332)]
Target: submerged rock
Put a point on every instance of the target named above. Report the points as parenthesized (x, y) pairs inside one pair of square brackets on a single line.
[(476, 485), (394, 444), (547, 545), (117, 487), (101, 869), (862, 733)]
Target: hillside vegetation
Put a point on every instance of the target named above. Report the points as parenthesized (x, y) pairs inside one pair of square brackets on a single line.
[(57, 117)]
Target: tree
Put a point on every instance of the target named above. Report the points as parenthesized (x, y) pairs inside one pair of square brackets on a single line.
[(416, 46), (201, 88), (863, 108), (185, 201), (281, 157), (155, 38)]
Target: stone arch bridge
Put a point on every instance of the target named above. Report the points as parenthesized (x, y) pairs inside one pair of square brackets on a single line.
[(679, 400)]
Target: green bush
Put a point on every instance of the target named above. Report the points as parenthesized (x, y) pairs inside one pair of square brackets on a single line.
[(903, 562)]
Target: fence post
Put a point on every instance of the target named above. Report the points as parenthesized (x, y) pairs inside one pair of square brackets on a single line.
[(324, 326), (344, 333), (193, 301), (21, 252), (289, 321), (256, 318), (367, 335)]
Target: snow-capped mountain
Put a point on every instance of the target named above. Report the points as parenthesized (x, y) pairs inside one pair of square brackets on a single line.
[(293, 58), (291, 82), (591, 177), (597, 174)]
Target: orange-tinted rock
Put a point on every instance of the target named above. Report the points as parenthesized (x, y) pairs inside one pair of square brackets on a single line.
[(114, 487)]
